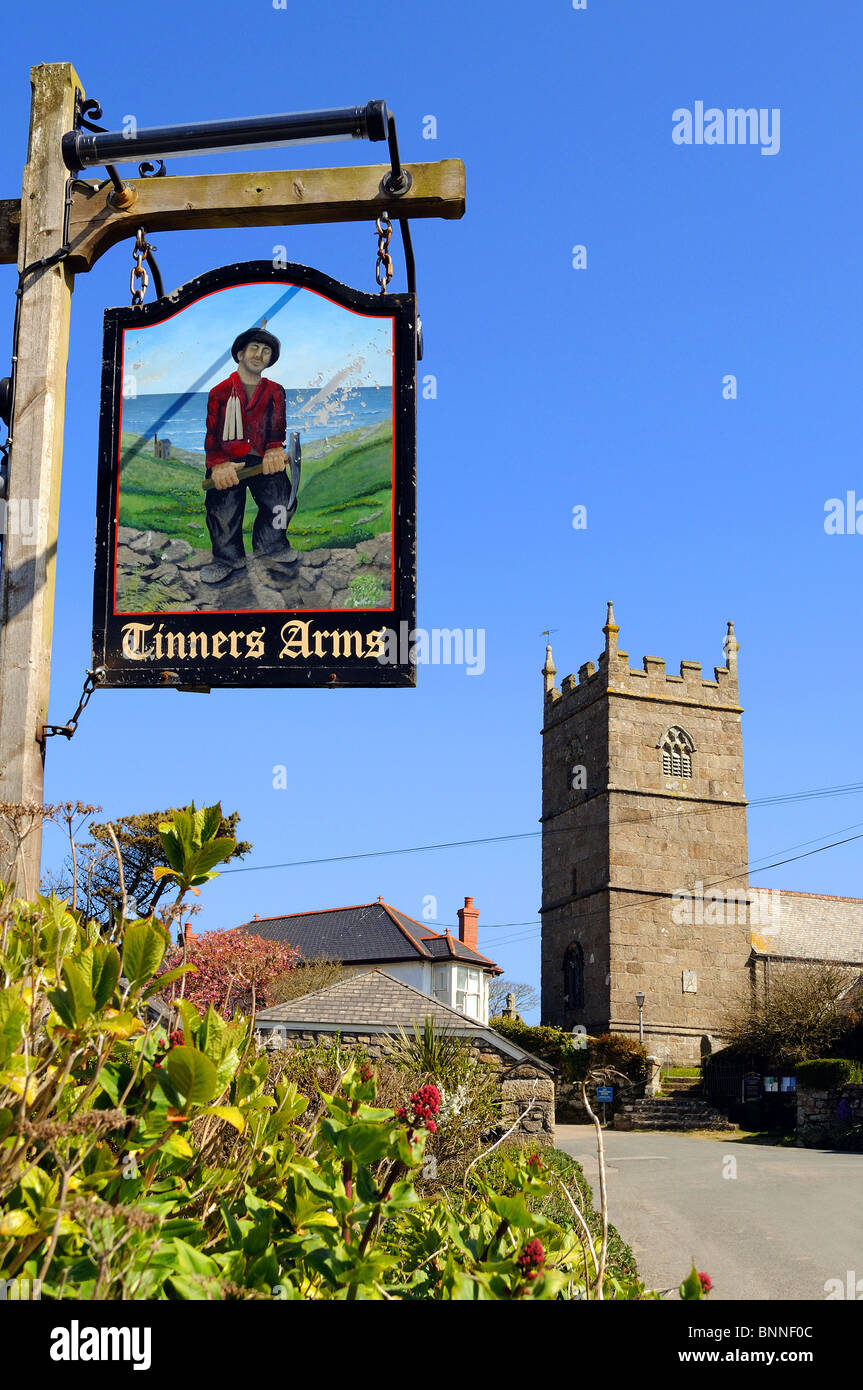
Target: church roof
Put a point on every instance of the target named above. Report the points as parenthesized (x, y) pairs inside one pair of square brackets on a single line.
[(813, 926)]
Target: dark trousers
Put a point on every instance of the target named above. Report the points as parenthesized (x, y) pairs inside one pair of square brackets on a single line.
[(225, 511)]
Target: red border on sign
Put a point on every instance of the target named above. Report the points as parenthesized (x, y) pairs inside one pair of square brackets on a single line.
[(145, 612)]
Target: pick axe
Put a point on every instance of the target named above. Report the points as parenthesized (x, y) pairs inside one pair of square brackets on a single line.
[(295, 458)]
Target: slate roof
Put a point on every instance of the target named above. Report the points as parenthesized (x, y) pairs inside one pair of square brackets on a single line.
[(367, 934), (813, 926), (374, 1001)]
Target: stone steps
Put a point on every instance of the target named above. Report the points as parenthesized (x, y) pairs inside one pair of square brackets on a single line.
[(672, 1112)]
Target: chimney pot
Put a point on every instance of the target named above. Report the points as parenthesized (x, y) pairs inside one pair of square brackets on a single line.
[(468, 925)]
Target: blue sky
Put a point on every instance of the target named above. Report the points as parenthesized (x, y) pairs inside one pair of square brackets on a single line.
[(556, 387), (319, 340)]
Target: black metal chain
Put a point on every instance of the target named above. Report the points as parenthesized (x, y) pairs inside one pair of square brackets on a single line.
[(143, 251), (384, 265), (91, 681), (139, 271)]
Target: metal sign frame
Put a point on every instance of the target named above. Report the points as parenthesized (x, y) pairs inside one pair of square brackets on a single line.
[(203, 649)]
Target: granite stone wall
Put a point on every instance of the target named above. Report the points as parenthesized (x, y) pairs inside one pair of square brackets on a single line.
[(570, 1109), (526, 1088), (824, 1117)]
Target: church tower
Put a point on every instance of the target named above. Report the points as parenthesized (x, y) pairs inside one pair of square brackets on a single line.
[(644, 853)]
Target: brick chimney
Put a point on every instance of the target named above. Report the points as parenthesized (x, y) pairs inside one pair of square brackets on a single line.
[(468, 928), (189, 936)]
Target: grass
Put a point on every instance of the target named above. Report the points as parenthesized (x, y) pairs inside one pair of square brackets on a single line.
[(345, 491), (682, 1072), (771, 1137), (367, 591)]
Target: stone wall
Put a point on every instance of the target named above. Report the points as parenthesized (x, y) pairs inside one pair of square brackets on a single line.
[(824, 1116), (526, 1087), (569, 1107)]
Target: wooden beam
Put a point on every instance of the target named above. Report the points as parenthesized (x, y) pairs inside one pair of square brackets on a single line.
[(283, 198), (33, 507)]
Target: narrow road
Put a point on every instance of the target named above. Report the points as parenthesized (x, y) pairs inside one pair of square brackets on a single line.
[(763, 1222)]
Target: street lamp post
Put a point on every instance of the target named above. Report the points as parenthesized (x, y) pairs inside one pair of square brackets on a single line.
[(639, 999)]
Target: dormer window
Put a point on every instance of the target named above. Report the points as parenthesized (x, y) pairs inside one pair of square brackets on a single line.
[(677, 749)]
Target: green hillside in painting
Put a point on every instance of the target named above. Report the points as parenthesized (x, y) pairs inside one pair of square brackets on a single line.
[(345, 491)]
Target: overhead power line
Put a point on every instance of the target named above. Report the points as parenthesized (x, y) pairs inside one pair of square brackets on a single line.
[(848, 789), (715, 883)]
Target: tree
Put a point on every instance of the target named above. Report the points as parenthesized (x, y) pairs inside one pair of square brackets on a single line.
[(526, 997), (800, 1016), (233, 970), (306, 978), (142, 850)]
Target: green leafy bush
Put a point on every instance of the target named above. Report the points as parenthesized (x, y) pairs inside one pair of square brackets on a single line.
[(140, 1164), (566, 1176), (551, 1044), (828, 1073), (618, 1051), (470, 1094), (564, 1051)]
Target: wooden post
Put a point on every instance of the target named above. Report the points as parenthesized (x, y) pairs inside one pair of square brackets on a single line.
[(33, 494)]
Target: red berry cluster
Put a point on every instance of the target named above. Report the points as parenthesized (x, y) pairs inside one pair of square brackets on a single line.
[(535, 1164), (425, 1104), (175, 1039), (367, 1072), (706, 1282), (532, 1259)]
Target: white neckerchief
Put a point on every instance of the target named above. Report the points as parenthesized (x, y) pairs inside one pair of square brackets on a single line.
[(233, 427)]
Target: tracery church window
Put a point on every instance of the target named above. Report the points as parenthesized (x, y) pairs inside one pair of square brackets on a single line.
[(677, 749), (573, 976)]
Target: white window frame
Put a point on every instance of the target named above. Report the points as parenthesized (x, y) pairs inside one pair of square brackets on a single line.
[(468, 991)]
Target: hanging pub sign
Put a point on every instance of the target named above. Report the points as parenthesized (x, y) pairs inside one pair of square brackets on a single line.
[(257, 489)]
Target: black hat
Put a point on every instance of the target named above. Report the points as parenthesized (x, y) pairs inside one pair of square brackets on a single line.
[(256, 335)]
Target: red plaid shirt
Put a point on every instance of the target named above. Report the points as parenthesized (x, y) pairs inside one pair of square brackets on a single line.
[(264, 423)]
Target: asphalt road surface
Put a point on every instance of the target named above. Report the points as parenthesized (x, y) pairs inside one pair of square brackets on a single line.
[(789, 1221)]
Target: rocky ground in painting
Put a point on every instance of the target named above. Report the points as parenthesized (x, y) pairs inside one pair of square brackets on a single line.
[(158, 574)]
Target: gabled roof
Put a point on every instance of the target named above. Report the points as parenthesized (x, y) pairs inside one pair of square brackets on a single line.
[(372, 996), (368, 934), (376, 1002)]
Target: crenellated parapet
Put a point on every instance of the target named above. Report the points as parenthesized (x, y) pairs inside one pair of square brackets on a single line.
[(612, 674)]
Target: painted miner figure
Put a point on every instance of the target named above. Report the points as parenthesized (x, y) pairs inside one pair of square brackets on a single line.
[(245, 451)]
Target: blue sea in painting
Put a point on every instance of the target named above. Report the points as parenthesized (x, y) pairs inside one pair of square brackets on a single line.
[(182, 419)]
